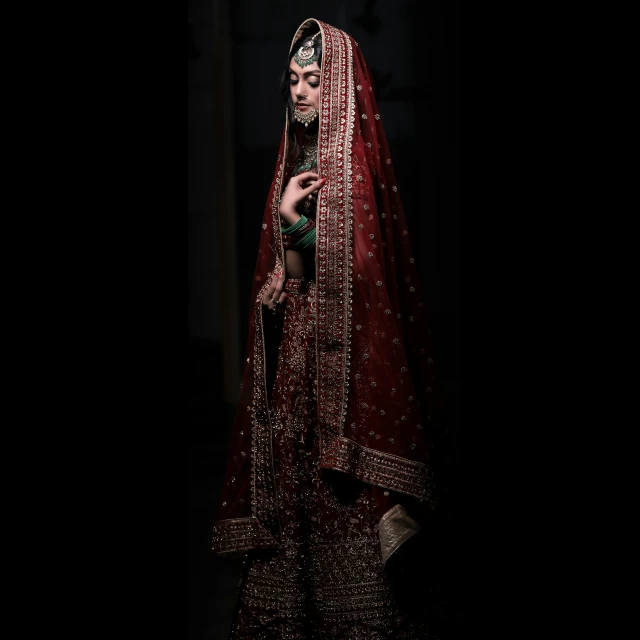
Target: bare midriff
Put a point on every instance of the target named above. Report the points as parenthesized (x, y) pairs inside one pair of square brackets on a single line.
[(294, 263)]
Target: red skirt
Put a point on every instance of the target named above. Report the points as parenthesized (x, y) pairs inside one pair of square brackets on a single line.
[(327, 580)]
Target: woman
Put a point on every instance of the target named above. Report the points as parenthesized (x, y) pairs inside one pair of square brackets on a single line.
[(329, 468)]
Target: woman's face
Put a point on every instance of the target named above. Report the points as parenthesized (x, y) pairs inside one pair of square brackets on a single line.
[(304, 84)]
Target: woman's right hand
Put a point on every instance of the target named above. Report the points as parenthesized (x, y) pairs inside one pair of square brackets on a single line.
[(274, 297), (297, 190)]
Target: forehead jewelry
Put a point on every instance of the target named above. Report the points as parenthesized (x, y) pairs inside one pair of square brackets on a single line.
[(306, 54)]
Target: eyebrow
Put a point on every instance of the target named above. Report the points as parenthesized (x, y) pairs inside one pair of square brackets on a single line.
[(308, 73)]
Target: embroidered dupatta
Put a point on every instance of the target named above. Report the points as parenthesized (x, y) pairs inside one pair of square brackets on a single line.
[(374, 365)]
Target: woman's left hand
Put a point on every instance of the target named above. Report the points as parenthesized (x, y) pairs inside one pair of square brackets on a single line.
[(298, 189)]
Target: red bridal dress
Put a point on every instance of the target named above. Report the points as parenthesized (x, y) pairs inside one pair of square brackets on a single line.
[(328, 468)]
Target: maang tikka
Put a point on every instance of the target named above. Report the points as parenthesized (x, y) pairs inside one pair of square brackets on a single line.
[(305, 55)]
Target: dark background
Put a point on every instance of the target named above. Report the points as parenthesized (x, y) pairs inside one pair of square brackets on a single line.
[(236, 51)]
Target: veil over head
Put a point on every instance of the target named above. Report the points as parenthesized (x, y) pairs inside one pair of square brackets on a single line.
[(375, 376)]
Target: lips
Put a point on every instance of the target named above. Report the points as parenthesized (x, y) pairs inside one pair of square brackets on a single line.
[(301, 104)]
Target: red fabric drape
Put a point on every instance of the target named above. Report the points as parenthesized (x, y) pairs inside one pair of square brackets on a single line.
[(375, 369)]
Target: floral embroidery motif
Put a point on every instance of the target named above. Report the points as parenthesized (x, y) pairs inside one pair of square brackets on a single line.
[(360, 187)]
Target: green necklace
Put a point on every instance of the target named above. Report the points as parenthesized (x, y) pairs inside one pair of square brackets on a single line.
[(308, 158)]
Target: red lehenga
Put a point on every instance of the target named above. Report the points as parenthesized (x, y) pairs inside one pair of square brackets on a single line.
[(329, 462)]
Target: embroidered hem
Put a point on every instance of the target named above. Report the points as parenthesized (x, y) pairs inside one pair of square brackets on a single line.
[(381, 469), (241, 534)]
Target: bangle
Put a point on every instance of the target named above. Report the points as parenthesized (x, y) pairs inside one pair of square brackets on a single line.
[(303, 230), (307, 241), (296, 226)]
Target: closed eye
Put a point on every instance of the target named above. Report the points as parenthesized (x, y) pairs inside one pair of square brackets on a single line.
[(311, 84)]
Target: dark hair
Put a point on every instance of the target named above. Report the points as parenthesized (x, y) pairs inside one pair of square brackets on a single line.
[(285, 86)]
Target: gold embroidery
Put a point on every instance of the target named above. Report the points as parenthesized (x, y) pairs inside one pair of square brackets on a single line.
[(382, 469), (239, 534), (396, 527), (334, 232)]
